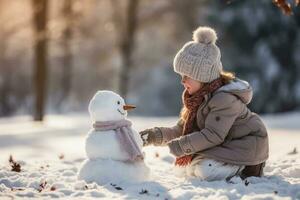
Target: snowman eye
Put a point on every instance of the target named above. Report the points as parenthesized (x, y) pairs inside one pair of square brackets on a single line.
[(118, 102)]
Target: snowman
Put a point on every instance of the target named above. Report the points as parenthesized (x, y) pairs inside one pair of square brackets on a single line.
[(112, 147)]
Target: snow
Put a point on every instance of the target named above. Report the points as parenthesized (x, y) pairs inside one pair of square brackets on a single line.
[(51, 153), (103, 171)]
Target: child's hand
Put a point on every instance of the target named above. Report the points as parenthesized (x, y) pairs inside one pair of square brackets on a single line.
[(181, 159), (151, 136), (175, 148)]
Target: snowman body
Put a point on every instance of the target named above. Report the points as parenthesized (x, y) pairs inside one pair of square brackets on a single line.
[(106, 161), (104, 144)]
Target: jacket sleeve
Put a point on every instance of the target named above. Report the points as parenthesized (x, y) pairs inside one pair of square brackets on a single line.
[(170, 133), (224, 109)]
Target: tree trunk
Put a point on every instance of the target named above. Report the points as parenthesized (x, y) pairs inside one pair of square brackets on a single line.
[(40, 9), (67, 60), (126, 28), (6, 108)]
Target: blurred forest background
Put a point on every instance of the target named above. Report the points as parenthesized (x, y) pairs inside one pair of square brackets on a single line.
[(55, 54)]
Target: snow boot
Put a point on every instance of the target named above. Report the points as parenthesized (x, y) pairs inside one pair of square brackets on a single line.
[(253, 170)]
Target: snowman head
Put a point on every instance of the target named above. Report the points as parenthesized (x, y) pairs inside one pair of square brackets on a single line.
[(108, 106)]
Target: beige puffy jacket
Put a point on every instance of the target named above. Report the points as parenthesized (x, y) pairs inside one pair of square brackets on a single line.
[(224, 129)]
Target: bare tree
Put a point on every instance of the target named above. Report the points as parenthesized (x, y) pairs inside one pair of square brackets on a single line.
[(40, 11), (126, 27), (6, 72), (12, 94), (5, 85), (67, 13)]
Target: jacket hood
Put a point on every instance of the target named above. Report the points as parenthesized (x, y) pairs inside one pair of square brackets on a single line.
[(240, 88)]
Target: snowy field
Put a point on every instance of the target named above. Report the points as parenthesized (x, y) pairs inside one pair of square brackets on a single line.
[(50, 154)]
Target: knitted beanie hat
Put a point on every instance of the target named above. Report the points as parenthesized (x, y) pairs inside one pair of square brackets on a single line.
[(200, 59)]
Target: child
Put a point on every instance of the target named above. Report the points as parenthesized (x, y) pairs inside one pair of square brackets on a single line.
[(217, 136)]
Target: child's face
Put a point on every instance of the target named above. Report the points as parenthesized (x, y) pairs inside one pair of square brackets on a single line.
[(190, 84)]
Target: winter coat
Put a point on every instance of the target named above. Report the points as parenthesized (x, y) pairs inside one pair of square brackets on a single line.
[(224, 129)]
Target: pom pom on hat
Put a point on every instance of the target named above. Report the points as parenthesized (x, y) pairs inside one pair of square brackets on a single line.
[(200, 59), (205, 35)]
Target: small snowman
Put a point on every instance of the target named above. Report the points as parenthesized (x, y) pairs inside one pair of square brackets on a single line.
[(113, 148)]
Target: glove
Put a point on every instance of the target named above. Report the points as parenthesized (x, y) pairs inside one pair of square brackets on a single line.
[(151, 136), (175, 148), (181, 159)]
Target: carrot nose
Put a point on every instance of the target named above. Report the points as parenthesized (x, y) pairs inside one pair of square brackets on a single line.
[(129, 107)]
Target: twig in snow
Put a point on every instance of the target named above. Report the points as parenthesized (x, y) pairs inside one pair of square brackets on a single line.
[(293, 152), (17, 189), (42, 186), (143, 192), (61, 156), (52, 188), (16, 167), (116, 187)]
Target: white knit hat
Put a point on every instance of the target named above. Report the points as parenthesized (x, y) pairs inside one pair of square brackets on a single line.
[(200, 59)]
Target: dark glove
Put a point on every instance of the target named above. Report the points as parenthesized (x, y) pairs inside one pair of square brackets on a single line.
[(175, 148), (151, 136)]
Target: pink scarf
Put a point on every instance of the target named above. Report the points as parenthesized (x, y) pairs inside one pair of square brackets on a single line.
[(124, 135)]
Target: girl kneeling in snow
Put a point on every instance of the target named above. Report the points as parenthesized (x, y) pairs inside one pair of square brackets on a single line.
[(217, 136)]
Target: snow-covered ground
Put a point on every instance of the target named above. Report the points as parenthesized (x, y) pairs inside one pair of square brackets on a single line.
[(51, 153)]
